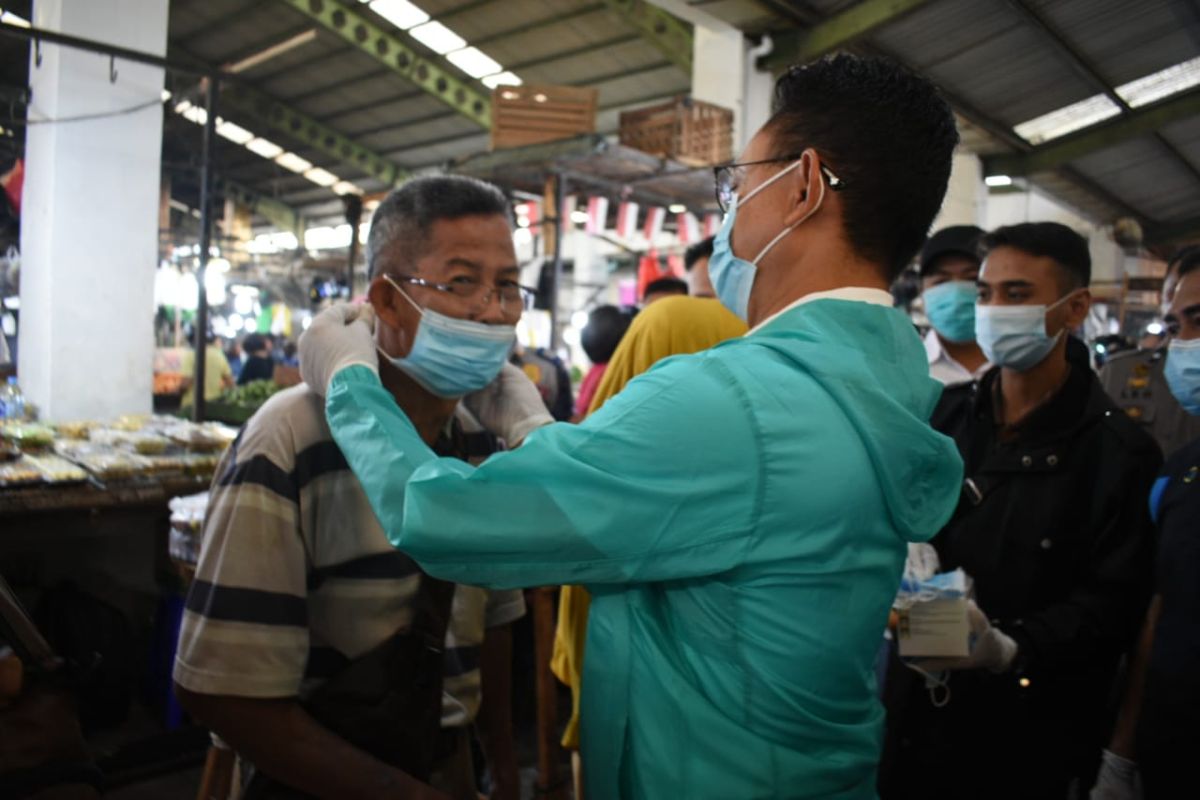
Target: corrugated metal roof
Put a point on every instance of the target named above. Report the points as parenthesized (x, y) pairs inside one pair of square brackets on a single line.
[(571, 42), (988, 55), (1004, 67)]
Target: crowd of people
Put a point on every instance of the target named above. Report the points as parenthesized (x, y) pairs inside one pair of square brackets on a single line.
[(729, 506), (252, 357)]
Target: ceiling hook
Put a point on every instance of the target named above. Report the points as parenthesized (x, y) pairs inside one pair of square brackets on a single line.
[(37, 52), (112, 69)]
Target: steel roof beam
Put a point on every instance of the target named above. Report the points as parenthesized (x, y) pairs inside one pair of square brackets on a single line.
[(799, 46), (1141, 121), (799, 13), (397, 98), (396, 51), (667, 33), (254, 105), (1091, 73)]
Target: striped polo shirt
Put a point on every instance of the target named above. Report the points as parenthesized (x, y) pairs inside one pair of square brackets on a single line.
[(296, 577)]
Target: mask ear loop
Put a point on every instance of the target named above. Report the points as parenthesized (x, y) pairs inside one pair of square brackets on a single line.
[(939, 687), (404, 294), (411, 302), (798, 223)]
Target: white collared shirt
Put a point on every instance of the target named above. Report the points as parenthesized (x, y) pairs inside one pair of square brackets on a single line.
[(944, 369), (855, 294)]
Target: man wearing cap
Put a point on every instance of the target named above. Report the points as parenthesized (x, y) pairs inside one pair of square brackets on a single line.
[(1135, 380), (949, 268)]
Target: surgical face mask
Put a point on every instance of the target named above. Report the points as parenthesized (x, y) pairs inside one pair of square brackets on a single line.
[(732, 277), (1015, 336), (950, 307), (1183, 373), (452, 357)]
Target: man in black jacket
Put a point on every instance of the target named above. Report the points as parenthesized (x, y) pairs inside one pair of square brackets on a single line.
[(1054, 529)]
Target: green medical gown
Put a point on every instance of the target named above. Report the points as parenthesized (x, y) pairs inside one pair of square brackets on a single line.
[(740, 517)]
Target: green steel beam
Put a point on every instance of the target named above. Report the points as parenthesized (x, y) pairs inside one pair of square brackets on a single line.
[(1141, 121), (800, 46), (671, 35), (274, 211), (393, 49), (267, 111)]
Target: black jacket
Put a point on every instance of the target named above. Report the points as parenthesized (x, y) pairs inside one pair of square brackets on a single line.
[(1171, 708), (1054, 528), (256, 368)]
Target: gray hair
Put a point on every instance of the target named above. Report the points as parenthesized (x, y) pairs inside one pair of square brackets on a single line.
[(408, 213)]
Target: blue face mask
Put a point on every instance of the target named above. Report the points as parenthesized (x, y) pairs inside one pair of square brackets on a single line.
[(950, 307), (732, 277), (1183, 373), (453, 357), (1015, 336)]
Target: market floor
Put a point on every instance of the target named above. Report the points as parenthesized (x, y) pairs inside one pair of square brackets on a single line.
[(184, 784), (175, 786)]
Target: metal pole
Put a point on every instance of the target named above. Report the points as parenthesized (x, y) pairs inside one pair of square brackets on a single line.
[(354, 210), (38, 35), (206, 171), (560, 193)]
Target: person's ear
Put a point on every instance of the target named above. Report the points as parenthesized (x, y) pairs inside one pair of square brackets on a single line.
[(806, 189), (384, 299), (398, 317), (1077, 308)]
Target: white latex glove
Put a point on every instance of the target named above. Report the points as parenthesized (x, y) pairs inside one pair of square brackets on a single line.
[(993, 649), (338, 337), (1118, 779), (510, 406)]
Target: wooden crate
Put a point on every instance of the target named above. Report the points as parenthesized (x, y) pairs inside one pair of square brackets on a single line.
[(686, 130), (523, 115)]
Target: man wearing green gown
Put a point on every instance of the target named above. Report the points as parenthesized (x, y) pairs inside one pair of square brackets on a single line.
[(740, 516)]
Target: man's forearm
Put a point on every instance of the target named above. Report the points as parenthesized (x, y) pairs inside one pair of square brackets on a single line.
[(283, 741)]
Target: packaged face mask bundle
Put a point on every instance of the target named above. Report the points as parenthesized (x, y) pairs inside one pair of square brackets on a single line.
[(932, 616)]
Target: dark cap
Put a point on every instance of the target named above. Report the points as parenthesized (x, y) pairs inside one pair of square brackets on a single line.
[(958, 240)]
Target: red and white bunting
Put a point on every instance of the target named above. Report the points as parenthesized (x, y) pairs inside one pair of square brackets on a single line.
[(568, 207), (627, 214), (597, 211), (712, 224), (655, 216), (688, 227)]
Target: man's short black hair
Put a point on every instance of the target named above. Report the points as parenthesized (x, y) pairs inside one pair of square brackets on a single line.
[(407, 214), (254, 343), (701, 249), (886, 132), (1048, 239), (605, 327), (666, 286), (1185, 260)]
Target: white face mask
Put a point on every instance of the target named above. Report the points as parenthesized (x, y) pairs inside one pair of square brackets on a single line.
[(1015, 336)]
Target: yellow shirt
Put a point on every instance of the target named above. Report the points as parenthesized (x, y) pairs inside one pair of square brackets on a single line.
[(216, 368)]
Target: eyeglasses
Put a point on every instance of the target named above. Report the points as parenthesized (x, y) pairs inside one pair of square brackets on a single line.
[(728, 178), (514, 298)]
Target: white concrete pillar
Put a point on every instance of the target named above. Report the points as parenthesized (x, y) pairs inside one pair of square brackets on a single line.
[(719, 73), (757, 97), (966, 194), (89, 227)]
